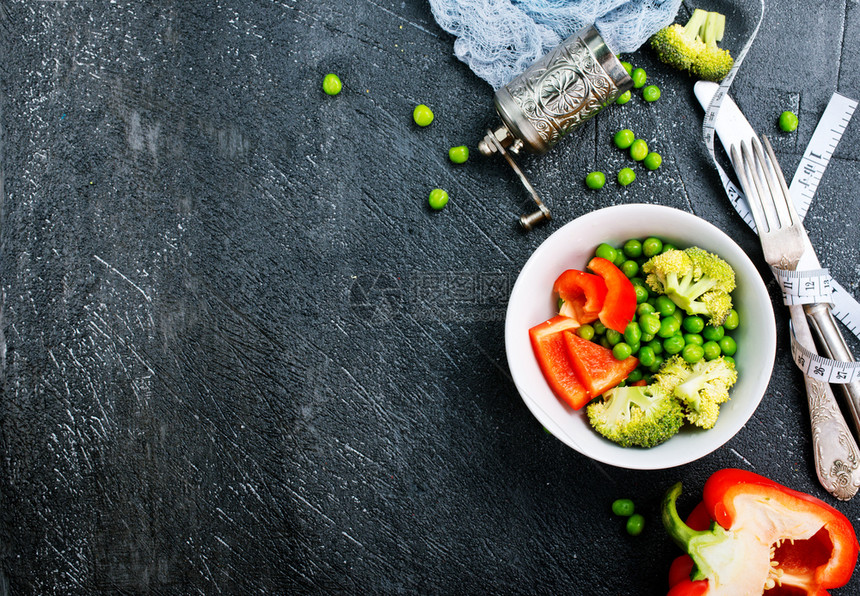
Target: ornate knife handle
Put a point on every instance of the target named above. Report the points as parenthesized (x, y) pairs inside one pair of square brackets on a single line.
[(837, 457)]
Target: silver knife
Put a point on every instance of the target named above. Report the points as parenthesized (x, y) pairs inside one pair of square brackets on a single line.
[(732, 127)]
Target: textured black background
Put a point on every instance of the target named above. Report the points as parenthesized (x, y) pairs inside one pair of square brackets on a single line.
[(240, 354)]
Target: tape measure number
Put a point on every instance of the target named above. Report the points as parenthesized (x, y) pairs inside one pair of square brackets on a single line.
[(823, 369), (804, 287)]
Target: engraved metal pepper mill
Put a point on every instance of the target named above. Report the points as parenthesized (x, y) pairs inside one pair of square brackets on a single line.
[(559, 92)]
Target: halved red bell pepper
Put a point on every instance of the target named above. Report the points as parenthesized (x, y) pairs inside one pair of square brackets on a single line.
[(767, 539), (582, 294), (595, 365), (551, 352), (619, 305)]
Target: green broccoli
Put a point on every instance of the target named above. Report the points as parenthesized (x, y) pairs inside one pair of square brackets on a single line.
[(644, 416), (697, 281), (700, 387), (693, 47)]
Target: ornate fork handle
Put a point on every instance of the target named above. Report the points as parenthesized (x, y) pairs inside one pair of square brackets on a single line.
[(837, 457)]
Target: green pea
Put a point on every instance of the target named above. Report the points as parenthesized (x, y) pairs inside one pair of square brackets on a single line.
[(613, 336), (651, 93), (634, 347), (585, 332), (635, 524), (626, 176), (692, 353), (632, 333), (638, 150), (655, 366), (679, 314), (711, 350), (644, 309), (606, 251), (694, 324), (605, 342), (732, 320), (665, 306), (624, 98), (599, 328), (646, 337), (438, 198), (624, 138), (652, 246), (641, 293), (627, 66), (668, 327), (458, 154), (635, 375), (674, 344), (619, 259), (422, 115), (712, 333), (646, 356), (623, 507), (595, 180), (332, 84), (621, 351), (632, 248), (649, 323), (653, 160), (729, 359), (630, 268), (639, 77), (788, 121), (728, 346), (667, 247), (693, 338), (656, 345)]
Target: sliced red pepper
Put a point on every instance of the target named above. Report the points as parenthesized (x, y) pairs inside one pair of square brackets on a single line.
[(595, 365), (619, 306), (551, 352), (583, 294), (787, 542)]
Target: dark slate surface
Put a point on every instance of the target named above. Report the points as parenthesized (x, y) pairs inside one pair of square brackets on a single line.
[(239, 353)]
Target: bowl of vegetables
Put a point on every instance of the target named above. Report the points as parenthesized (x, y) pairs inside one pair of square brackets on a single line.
[(641, 336)]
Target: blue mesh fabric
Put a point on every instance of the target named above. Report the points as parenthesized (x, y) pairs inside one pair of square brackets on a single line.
[(499, 39)]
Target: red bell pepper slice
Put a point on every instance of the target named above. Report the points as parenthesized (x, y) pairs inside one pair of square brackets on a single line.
[(792, 543), (551, 352), (619, 306), (595, 365), (583, 295)]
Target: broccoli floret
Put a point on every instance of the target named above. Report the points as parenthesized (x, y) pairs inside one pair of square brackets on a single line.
[(701, 387), (697, 281), (643, 416), (693, 47)]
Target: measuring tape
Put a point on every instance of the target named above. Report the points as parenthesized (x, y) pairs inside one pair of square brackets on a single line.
[(800, 287)]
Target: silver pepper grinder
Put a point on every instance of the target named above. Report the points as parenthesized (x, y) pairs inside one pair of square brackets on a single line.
[(555, 95)]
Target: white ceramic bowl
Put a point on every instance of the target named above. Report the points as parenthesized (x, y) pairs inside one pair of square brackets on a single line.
[(571, 247)]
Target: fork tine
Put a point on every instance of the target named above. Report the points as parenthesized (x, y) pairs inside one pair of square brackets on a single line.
[(751, 185), (777, 201), (794, 218)]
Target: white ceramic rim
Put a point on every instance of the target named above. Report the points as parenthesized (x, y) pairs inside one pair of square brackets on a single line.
[(531, 303)]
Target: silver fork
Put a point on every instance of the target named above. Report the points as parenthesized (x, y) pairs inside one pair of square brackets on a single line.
[(837, 457)]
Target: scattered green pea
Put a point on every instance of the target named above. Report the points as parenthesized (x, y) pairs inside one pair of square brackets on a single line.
[(639, 77), (649, 323), (641, 294), (693, 338), (694, 324), (674, 344), (599, 328), (632, 333), (692, 353), (606, 251), (656, 345), (624, 138), (624, 98), (732, 320), (627, 66), (668, 327), (638, 150), (630, 268), (711, 333), (332, 84), (728, 346), (595, 180), (614, 337), (422, 115), (635, 375), (622, 350), (438, 198), (619, 259), (644, 309), (626, 176), (646, 356), (585, 332), (711, 350), (658, 362), (729, 359), (665, 306), (652, 246), (623, 507), (458, 154), (788, 121), (667, 247), (653, 160), (632, 248), (651, 93)]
